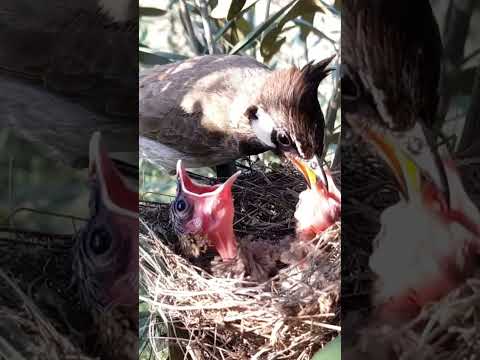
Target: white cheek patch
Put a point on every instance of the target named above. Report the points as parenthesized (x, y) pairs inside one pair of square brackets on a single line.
[(263, 127)]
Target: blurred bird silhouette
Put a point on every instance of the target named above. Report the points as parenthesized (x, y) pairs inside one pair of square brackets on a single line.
[(105, 252), (68, 69)]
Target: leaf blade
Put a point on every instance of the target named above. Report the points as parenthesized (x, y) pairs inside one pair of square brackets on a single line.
[(264, 26)]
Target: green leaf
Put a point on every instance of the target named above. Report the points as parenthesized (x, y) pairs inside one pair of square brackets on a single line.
[(338, 5), (158, 57), (152, 59), (306, 8), (243, 26), (151, 11), (264, 26), (229, 9), (143, 34), (226, 26), (331, 351), (275, 47), (305, 30)]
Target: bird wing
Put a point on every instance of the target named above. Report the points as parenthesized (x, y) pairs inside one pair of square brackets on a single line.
[(197, 106), (59, 128)]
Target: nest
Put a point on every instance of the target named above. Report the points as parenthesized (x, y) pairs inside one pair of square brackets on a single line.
[(447, 329), (25, 333), (41, 315), (290, 316)]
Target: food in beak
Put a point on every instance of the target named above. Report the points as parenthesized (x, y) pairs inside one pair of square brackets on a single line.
[(206, 211), (319, 206)]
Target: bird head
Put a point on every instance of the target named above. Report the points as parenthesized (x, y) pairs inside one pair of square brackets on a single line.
[(105, 254), (428, 240), (390, 76), (287, 116), (318, 206), (205, 210)]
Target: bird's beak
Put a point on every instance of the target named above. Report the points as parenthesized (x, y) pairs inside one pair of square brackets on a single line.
[(311, 170), (115, 193), (212, 211), (409, 167)]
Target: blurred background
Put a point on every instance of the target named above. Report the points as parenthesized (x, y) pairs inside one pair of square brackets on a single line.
[(36, 193), (460, 31), (278, 33)]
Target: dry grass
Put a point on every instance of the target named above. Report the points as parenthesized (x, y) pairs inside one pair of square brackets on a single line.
[(25, 333), (288, 317), (41, 316), (447, 329)]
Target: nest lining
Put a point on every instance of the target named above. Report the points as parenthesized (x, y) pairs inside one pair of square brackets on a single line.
[(447, 329), (25, 333), (288, 317), (41, 315)]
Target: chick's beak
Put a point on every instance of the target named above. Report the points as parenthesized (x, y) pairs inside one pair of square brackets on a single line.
[(118, 196), (119, 200), (213, 212)]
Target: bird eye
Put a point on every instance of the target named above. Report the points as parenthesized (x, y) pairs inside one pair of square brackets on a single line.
[(180, 205), (283, 138), (100, 242)]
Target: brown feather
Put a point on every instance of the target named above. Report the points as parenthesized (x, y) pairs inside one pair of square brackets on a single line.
[(292, 94), (190, 107), (395, 54)]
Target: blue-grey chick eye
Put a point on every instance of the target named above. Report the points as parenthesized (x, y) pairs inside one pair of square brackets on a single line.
[(100, 242), (180, 205)]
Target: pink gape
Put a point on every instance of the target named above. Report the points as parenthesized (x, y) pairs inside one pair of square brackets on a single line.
[(212, 214), (426, 249), (106, 254), (318, 208)]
